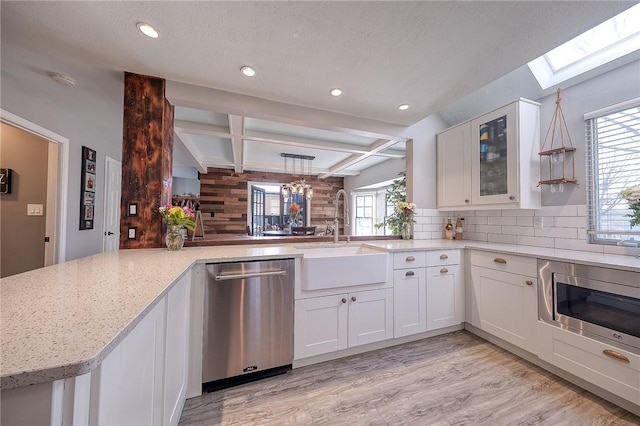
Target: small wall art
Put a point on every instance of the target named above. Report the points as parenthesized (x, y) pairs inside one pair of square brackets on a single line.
[(87, 188)]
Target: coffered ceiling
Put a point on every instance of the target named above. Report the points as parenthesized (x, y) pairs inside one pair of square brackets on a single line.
[(381, 54)]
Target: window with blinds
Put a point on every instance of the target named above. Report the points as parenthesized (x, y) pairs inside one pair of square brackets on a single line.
[(613, 164)]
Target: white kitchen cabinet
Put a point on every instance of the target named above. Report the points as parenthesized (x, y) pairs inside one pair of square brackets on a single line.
[(611, 368), (500, 149), (504, 297), (409, 302), (454, 167), (320, 325), (445, 297), (331, 323), (127, 387), (177, 350)]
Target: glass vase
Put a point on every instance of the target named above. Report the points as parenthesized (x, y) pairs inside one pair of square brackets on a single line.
[(406, 231), (174, 238)]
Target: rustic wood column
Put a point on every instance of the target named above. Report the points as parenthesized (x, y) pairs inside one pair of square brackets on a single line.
[(147, 149)]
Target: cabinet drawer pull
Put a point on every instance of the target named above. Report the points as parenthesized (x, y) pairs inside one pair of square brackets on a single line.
[(444, 270), (443, 257), (616, 355), (353, 298), (529, 282), (499, 260), (409, 274), (410, 259), (344, 300)]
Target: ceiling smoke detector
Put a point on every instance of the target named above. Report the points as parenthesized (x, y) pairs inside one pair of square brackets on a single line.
[(62, 80)]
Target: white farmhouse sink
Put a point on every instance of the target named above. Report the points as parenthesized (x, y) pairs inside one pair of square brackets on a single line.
[(343, 266)]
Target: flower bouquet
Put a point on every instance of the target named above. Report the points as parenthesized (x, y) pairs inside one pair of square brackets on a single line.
[(632, 195), (294, 212), (405, 212), (176, 218)]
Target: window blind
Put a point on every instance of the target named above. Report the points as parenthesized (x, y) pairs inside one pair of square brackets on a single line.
[(613, 164)]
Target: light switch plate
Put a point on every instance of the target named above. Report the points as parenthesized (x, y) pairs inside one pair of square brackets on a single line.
[(35, 209), (132, 233)]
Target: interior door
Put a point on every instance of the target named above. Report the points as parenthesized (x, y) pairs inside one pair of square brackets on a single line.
[(257, 209), (113, 177)]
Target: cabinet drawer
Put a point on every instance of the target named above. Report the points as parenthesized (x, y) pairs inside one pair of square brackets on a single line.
[(505, 262), (409, 259), (443, 257)]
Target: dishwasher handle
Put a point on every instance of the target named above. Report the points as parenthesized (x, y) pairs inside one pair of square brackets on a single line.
[(249, 275)]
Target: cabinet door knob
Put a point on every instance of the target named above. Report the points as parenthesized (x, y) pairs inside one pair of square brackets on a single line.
[(529, 282), (353, 298), (443, 257), (444, 270), (410, 258), (409, 274), (466, 201), (616, 355), (512, 198), (499, 260), (344, 300)]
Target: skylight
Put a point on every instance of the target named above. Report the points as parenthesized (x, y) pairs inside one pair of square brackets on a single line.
[(606, 42)]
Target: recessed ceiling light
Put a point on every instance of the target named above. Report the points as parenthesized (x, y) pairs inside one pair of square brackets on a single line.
[(336, 92), (403, 107), (148, 29), (248, 71)]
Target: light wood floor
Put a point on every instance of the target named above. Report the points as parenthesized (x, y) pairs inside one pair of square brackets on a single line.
[(454, 379)]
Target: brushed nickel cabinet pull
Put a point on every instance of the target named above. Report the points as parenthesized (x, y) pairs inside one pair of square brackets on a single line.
[(344, 300), (444, 270), (499, 260), (529, 282), (443, 257), (409, 274), (410, 258), (353, 298), (616, 355)]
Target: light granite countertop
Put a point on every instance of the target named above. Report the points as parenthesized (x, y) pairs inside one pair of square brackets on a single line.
[(62, 320)]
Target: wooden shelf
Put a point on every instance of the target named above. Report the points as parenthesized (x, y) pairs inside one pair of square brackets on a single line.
[(556, 181), (557, 151)]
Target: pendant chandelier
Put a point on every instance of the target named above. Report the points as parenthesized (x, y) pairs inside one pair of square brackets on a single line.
[(300, 165)]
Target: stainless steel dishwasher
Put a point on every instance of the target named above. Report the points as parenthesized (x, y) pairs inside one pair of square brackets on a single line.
[(248, 321)]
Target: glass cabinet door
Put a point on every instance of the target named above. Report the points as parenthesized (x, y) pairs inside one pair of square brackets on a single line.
[(495, 156)]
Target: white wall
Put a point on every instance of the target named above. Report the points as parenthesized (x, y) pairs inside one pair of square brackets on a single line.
[(381, 172), (182, 186), (604, 90), (88, 114)]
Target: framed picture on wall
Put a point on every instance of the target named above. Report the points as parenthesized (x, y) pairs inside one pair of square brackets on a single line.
[(87, 188)]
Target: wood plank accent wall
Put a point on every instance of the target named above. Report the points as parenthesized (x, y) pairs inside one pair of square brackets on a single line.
[(147, 155), (224, 192)]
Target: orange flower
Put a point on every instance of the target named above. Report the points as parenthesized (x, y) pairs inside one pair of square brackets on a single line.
[(294, 209)]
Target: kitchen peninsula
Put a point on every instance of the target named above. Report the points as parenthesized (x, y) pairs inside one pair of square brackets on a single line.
[(61, 322)]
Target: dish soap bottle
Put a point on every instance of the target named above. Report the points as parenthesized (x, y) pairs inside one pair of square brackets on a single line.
[(448, 230), (458, 235)]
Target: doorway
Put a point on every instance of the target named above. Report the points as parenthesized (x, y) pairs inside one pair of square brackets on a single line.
[(52, 172), (112, 190)]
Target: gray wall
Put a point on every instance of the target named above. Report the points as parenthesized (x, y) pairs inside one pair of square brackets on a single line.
[(607, 89), (88, 114)]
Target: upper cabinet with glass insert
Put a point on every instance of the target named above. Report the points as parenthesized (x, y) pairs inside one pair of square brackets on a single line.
[(491, 161)]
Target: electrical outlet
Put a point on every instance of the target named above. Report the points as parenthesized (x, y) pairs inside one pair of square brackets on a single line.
[(538, 223), (132, 233)]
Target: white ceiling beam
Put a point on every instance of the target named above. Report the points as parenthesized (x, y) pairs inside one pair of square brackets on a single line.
[(217, 162), (185, 146), (276, 168), (374, 149), (236, 126), (202, 129), (273, 138)]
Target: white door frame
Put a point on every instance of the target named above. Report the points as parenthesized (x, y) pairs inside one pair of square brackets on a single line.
[(105, 216), (58, 230)]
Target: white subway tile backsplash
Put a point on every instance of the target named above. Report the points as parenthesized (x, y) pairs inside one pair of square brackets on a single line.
[(557, 232), (487, 212), (582, 210), (476, 220), (518, 212), (517, 230), (570, 222), (534, 241), (504, 239), (568, 210), (525, 220), (489, 229), (501, 220), (475, 236)]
